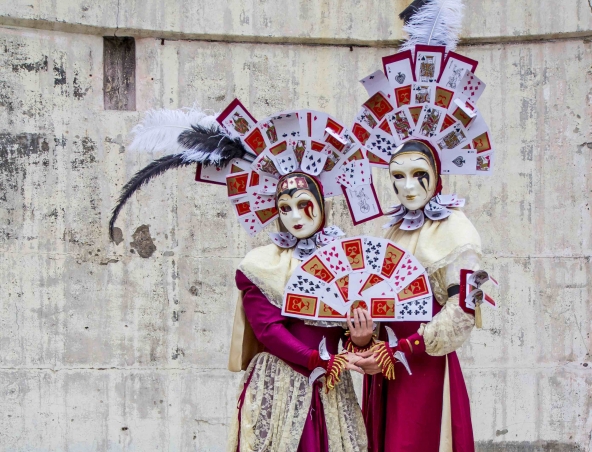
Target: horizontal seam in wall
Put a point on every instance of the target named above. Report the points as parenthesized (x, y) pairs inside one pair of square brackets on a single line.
[(43, 24)]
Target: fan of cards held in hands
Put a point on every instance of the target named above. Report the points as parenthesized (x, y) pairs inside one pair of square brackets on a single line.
[(429, 96), (301, 140), (367, 272)]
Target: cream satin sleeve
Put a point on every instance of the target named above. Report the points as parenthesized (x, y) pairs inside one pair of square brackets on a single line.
[(451, 327)]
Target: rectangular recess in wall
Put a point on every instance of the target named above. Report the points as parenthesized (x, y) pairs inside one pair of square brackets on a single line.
[(119, 73)]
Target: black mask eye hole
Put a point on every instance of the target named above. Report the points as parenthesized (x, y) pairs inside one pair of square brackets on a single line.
[(398, 176), (420, 174), (285, 208)]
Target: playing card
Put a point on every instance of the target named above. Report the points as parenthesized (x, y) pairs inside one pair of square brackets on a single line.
[(265, 163), (297, 304), (459, 161), (303, 282), (429, 122), (407, 270), (356, 281), (379, 105), (428, 63), (250, 223), (422, 93), (353, 249), (287, 125), (319, 269), (401, 124), (266, 185), (266, 216), (382, 145), (237, 183), (258, 201), (313, 162), (417, 310), (454, 69), (284, 157), (485, 163), (418, 288), (213, 175), (361, 132), (403, 95), (452, 138), (414, 112), (393, 256), (254, 140), (362, 202), (376, 82), (399, 68), (464, 111), (326, 312), (480, 136), (268, 130), (356, 172), (374, 252), (332, 296), (443, 97), (335, 259), (321, 121), (236, 119), (382, 307), (470, 87)]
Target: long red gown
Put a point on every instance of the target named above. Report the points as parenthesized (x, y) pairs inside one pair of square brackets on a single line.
[(405, 414)]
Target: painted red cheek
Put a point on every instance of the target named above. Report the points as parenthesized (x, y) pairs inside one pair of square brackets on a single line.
[(308, 209)]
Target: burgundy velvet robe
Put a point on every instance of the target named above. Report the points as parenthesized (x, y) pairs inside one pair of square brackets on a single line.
[(292, 341), (405, 414)]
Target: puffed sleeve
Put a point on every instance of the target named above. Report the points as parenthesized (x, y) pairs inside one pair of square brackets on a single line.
[(451, 327), (269, 325)]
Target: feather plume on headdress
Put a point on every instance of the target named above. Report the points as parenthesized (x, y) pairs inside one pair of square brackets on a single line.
[(188, 136), (432, 22)]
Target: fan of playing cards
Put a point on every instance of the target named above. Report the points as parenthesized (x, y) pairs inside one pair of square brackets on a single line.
[(363, 271), (302, 140), (426, 95)]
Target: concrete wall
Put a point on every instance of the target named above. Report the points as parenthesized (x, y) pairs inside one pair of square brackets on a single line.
[(101, 349)]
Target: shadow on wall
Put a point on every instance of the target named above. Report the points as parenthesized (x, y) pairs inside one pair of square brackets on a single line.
[(526, 446)]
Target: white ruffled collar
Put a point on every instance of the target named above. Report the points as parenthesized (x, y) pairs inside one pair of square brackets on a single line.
[(306, 247), (436, 209)]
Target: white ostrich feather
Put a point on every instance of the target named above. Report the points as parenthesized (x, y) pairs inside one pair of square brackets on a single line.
[(159, 129), (438, 22)]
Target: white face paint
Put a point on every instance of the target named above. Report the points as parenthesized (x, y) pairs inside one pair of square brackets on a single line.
[(414, 179), (300, 214)]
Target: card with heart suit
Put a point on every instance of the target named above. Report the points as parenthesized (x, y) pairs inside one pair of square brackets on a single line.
[(454, 69), (428, 63), (355, 172), (459, 161), (212, 175), (376, 82), (333, 256), (429, 122), (236, 119), (399, 68), (362, 203), (408, 269), (268, 131), (417, 289)]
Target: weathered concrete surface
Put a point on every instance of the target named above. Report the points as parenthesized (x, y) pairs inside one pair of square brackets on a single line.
[(369, 22), (94, 335)]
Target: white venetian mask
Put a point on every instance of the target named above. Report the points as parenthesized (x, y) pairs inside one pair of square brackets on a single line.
[(300, 213), (413, 179)]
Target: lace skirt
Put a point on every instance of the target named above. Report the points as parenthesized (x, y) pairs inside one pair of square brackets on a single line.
[(276, 404)]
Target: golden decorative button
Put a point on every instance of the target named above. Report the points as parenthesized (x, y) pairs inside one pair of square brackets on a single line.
[(416, 342)]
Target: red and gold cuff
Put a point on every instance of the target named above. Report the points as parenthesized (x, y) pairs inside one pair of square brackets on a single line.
[(385, 358)]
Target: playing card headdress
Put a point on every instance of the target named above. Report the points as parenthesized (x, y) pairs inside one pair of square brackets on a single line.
[(429, 93), (250, 157)]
